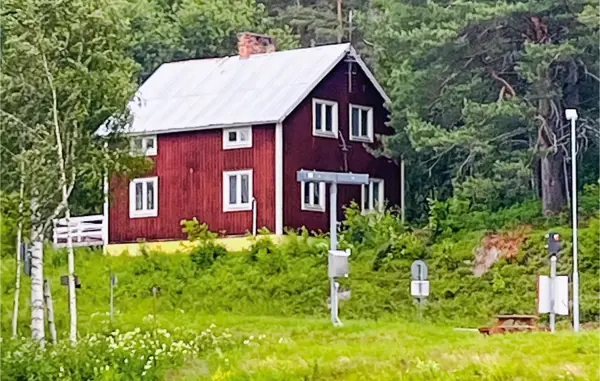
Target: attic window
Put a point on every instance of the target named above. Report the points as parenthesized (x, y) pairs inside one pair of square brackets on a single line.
[(325, 118), (361, 123), (240, 137), (144, 145)]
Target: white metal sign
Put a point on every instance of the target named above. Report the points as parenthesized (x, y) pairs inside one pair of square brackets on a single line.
[(561, 295), (419, 270), (419, 288)]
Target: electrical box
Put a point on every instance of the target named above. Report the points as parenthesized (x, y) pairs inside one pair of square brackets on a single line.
[(554, 244), (338, 263)]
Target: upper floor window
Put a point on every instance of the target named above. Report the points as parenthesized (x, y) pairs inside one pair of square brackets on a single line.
[(325, 118), (239, 137), (144, 145), (312, 196), (143, 197), (372, 195), (361, 123), (237, 190)]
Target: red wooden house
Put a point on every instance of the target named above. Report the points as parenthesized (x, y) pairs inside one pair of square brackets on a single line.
[(228, 135)]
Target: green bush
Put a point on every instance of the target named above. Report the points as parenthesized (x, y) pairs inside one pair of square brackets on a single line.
[(206, 251), (290, 278)]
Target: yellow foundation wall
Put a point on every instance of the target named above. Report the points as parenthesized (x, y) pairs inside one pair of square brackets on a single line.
[(169, 247)]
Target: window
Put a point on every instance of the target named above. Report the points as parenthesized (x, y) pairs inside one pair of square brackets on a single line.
[(312, 196), (361, 123), (143, 197), (237, 190), (237, 137), (144, 145), (372, 195), (325, 118)]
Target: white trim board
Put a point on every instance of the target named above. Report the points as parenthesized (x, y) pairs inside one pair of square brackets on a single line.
[(279, 178)]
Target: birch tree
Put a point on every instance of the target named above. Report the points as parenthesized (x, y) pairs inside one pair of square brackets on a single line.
[(65, 71)]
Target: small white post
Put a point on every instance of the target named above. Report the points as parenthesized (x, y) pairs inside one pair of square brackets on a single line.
[(105, 217)]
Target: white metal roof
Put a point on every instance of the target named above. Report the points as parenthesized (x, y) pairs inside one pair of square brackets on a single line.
[(229, 91)]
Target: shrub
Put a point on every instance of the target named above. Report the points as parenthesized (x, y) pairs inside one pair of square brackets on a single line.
[(206, 251)]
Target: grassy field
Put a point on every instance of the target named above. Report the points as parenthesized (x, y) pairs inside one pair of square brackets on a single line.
[(308, 349)]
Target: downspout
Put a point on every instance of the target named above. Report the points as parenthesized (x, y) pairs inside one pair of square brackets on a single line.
[(254, 216)]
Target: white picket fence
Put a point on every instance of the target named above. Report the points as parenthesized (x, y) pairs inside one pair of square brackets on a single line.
[(85, 231)]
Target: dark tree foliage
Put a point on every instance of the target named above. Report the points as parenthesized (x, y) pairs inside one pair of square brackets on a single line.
[(479, 90)]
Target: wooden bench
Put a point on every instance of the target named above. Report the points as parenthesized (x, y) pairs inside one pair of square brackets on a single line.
[(513, 323)]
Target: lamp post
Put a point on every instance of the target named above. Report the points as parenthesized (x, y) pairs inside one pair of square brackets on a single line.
[(571, 115)]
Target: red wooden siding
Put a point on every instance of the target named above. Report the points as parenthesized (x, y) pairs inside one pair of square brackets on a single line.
[(302, 150), (190, 169)]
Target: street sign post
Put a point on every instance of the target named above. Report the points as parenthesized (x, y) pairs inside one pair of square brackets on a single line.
[(113, 284), (338, 260), (551, 290), (419, 287)]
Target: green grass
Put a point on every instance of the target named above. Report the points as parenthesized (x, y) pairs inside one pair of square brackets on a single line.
[(273, 300), (311, 349)]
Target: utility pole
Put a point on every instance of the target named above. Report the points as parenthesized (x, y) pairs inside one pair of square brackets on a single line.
[(571, 114), (340, 21)]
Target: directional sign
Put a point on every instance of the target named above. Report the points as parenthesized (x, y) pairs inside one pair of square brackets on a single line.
[(419, 270), (332, 177)]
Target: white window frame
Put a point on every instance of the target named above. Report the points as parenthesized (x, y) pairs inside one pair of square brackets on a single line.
[(227, 144), (227, 207), (311, 206), (361, 138), (144, 139), (145, 212), (334, 118), (381, 199)]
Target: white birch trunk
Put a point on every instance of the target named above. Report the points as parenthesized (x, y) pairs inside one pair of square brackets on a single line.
[(65, 201), (50, 310), (71, 259), (37, 275), (15, 320)]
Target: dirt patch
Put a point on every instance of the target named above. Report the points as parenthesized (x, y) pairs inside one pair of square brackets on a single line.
[(498, 245)]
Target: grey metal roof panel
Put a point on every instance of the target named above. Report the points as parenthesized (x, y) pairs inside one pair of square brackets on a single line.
[(263, 88)]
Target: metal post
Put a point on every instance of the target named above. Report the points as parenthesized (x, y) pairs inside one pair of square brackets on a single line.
[(552, 291), (574, 218), (402, 191), (333, 215), (111, 298), (333, 246)]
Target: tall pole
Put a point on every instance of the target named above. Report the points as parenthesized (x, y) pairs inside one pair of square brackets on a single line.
[(340, 22), (105, 191), (333, 246), (574, 221), (552, 292)]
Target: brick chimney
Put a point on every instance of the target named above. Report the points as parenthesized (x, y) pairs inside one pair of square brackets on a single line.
[(252, 43)]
